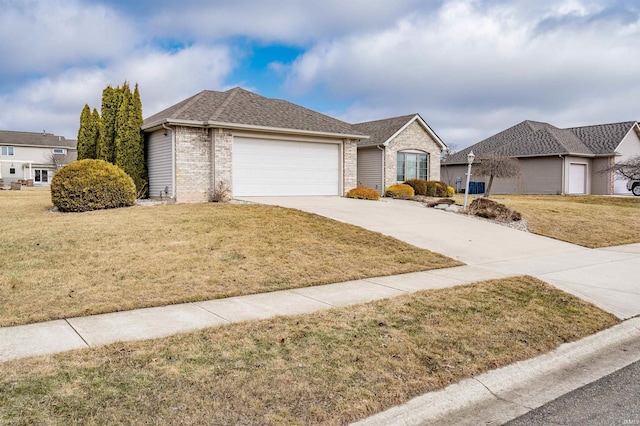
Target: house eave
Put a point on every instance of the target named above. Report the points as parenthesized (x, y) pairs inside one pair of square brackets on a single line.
[(249, 127)]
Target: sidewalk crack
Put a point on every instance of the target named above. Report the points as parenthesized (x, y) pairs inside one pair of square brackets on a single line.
[(76, 331), (499, 398)]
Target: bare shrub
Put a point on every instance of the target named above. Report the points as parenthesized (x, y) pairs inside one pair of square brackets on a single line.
[(221, 193), (492, 210)]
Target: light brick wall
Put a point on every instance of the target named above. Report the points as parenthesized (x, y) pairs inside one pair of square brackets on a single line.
[(221, 174), (413, 137), (350, 165), (193, 164)]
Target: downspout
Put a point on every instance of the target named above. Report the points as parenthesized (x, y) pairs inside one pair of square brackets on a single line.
[(562, 189), (382, 188), (173, 160)]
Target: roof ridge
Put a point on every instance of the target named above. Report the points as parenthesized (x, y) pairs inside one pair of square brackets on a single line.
[(386, 119), (190, 101), (604, 124), (231, 94)]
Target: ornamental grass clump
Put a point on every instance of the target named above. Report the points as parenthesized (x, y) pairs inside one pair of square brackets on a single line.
[(363, 193), (87, 185), (399, 190)]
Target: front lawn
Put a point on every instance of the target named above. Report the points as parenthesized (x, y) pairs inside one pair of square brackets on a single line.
[(589, 221), (59, 265), (330, 367)]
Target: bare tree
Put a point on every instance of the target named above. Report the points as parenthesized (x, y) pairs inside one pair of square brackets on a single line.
[(59, 160), (497, 166), (626, 170)]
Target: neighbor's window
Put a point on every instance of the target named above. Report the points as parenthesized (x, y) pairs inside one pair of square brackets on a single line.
[(411, 165), (58, 151), (12, 171), (7, 150), (41, 175)]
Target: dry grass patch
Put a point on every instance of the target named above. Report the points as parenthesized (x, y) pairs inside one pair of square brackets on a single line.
[(590, 221), (57, 265), (331, 367)]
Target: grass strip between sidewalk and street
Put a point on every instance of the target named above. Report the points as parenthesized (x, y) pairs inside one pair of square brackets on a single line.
[(331, 367), (61, 265)]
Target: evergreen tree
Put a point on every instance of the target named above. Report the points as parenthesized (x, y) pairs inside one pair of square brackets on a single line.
[(94, 134), (84, 136), (111, 99), (129, 142)]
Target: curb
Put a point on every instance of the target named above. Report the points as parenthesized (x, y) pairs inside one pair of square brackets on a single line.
[(501, 395)]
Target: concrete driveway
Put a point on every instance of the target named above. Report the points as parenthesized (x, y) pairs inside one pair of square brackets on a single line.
[(605, 277)]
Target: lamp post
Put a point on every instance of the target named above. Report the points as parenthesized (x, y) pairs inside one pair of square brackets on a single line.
[(470, 158)]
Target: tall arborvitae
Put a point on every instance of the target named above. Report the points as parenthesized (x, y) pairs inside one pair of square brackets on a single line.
[(115, 135), (95, 133), (84, 134), (129, 143), (110, 104), (137, 151)]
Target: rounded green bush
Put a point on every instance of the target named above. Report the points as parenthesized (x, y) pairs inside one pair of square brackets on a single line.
[(87, 185)]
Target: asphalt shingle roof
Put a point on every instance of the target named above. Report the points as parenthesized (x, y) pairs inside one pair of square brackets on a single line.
[(380, 131), (241, 107), (533, 138), (8, 137)]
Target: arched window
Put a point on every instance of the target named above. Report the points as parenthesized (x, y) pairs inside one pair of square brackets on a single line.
[(412, 165)]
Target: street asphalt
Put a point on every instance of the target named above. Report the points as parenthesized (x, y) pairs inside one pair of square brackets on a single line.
[(605, 277)]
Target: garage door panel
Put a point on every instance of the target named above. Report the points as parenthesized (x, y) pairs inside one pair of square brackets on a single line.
[(269, 167)]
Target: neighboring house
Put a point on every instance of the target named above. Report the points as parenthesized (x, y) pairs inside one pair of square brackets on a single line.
[(398, 149), (33, 156), (553, 160), (249, 145)]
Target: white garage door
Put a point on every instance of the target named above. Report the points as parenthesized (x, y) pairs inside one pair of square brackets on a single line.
[(577, 178), (263, 167)]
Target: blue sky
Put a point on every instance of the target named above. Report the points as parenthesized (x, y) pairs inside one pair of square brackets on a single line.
[(470, 67)]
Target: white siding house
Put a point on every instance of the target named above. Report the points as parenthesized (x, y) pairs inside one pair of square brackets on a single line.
[(33, 157)]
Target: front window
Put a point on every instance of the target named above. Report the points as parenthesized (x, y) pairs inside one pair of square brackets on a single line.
[(411, 165), (58, 151), (7, 150)]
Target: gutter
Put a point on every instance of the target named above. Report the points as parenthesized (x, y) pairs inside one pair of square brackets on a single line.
[(173, 160), (381, 148), (267, 129)]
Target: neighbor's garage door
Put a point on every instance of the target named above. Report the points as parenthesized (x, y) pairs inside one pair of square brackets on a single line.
[(263, 167), (577, 178)]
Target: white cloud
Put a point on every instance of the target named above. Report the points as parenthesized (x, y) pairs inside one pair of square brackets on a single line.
[(483, 66), (54, 103), (38, 36), (292, 22)]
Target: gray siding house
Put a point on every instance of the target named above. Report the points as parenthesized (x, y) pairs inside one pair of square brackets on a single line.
[(247, 145), (553, 160), (34, 157), (398, 149)]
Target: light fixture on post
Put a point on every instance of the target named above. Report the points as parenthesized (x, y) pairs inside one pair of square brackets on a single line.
[(470, 158)]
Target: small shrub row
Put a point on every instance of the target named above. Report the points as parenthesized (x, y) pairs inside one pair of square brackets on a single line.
[(400, 190), (363, 193), (431, 188), (87, 185)]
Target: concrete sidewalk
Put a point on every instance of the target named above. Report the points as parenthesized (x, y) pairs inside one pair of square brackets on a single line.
[(75, 333)]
